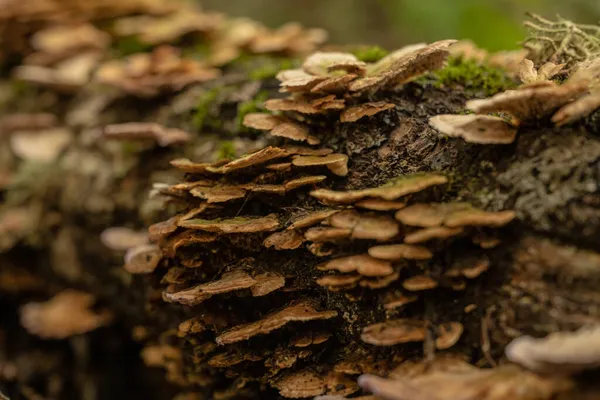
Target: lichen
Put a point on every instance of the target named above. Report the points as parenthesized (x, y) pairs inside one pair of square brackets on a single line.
[(472, 75), (369, 54)]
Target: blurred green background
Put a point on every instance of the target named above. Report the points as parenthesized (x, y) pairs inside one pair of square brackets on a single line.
[(492, 24)]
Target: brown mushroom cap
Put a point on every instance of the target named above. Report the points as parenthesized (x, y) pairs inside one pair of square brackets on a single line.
[(375, 227), (262, 121), (300, 385), (353, 114), (234, 225), (380, 205), (474, 128), (336, 163), (312, 218), (297, 80), (394, 332), (396, 252), (558, 353), (424, 235), (339, 281), (43, 145), (322, 63), (361, 263), (419, 282), (142, 259), (577, 109), (229, 282), (298, 312), (122, 238), (448, 334), (66, 314), (266, 283), (394, 189), (286, 240), (530, 103), (429, 215), (291, 104), (476, 217), (146, 130), (326, 234), (394, 301)]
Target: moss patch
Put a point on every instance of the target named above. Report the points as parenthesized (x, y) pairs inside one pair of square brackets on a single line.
[(472, 75), (203, 107), (369, 53), (130, 45), (226, 150), (253, 105)]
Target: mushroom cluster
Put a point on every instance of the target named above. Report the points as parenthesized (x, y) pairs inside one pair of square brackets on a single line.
[(538, 100), (340, 84), (266, 231)]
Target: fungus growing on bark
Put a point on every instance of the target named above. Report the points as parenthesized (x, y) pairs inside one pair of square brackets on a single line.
[(142, 259), (67, 314), (481, 129), (427, 234), (396, 252), (300, 384), (122, 238), (390, 191), (419, 283), (474, 384), (286, 240), (361, 263), (300, 312), (530, 75), (43, 145), (560, 353), (229, 282), (145, 131), (353, 114), (150, 74), (392, 332), (448, 335), (234, 225)]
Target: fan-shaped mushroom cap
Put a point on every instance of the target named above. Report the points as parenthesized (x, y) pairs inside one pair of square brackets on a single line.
[(448, 334), (394, 189), (530, 103), (394, 332), (122, 238), (142, 259), (286, 240), (311, 218), (234, 225), (558, 353), (271, 322), (577, 109), (323, 63), (429, 215), (361, 263), (396, 252), (439, 232), (229, 282), (473, 128), (419, 282), (336, 163), (267, 283), (353, 114), (301, 384)]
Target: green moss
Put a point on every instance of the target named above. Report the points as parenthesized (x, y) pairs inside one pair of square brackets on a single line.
[(130, 45), (473, 76), (226, 150), (250, 106), (202, 110), (270, 68), (370, 53)]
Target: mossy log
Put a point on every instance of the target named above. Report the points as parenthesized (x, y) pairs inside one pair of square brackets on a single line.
[(542, 272)]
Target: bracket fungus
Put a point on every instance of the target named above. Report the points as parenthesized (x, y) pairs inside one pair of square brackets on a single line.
[(300, 312), (67, 314), (480, 129), (560, 353), (392, 332)]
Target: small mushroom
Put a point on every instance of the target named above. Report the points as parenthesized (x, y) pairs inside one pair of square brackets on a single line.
[(361, 263), (419, 283), (266, 283), (448, 334), (353, 114), (234, 225), (142, 259), (286, 240), (473, 128), (122, 238), (424, 235), (396, 252), (394, 332)]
